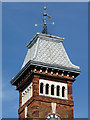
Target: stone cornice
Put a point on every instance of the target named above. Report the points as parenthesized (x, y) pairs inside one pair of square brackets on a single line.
[(32, 67)]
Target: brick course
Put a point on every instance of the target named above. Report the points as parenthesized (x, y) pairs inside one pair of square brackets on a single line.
[(40, 106)]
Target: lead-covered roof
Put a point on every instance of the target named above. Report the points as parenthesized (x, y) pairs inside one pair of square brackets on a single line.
[(48, 49)]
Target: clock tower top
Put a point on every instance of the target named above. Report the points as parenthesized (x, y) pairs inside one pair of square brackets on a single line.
[(45, 79), (47, 51)]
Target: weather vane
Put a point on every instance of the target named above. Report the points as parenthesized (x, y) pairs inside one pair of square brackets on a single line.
[(44, 20)]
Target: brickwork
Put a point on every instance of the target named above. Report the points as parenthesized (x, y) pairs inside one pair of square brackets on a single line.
[(70, 96), (35, 85), (22, 114), (40, 106), (20, 99)]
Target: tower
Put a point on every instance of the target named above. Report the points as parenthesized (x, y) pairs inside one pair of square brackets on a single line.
[(45, 80)]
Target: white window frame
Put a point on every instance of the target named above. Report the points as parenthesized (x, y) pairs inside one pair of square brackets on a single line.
[(55, 85)]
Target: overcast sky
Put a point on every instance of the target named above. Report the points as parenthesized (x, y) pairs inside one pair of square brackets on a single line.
[(71, 22)]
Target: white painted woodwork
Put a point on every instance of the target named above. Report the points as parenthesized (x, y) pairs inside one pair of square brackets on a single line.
[(26, 112), (27, 93), (55, 90), (53, 108)]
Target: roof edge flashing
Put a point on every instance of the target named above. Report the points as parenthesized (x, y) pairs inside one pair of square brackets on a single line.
[(59, 39)]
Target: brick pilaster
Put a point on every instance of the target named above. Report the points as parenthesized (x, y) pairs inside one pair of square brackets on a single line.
[(20, 99), (69, 89), (35, 86)]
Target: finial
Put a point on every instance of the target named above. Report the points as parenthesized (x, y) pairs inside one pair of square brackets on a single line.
[(44, 20)]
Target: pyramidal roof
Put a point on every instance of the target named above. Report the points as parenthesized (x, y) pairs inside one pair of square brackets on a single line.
[(48, 50)]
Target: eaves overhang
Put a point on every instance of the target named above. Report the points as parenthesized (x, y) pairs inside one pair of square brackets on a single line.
[(35, 63)]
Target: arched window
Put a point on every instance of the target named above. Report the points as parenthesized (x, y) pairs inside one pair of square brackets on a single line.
[(63, 91), (41, 88), (58, 90), (47, 88), (52, 89)]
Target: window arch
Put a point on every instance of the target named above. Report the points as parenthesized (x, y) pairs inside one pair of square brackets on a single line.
[(52, 89), (58, 90), (47, 88), (41, 88), (63, 91)]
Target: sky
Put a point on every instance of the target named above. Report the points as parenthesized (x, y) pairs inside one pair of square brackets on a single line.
[(71, 23)]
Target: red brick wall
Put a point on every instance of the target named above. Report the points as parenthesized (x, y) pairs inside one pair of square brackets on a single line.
[(22, 114), (35, 85), (69, 89), (20, 99), (40, 107)]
